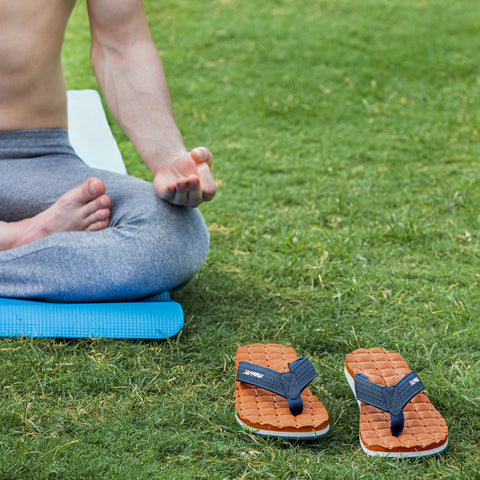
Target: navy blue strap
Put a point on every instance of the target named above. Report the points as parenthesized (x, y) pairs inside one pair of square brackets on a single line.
[(287, 384), (389, 399)]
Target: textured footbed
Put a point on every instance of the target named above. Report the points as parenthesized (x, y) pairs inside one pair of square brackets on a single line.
[(425, 431), (266, 413)]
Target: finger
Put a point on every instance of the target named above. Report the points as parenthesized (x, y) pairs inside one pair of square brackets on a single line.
[(164, 190), (170, 192), (167, 192), (195, 195), (181, 194), (202, 154), (208, 185)]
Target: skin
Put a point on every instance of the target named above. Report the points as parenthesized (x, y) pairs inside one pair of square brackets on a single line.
[(84, 208), (131, 77)]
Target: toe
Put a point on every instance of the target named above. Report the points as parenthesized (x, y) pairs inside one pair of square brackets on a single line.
[(102, 214), (102, 202), (93, 188), (100, 225)]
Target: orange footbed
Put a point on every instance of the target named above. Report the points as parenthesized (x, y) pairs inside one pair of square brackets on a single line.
[(424, 427), (264, 410)]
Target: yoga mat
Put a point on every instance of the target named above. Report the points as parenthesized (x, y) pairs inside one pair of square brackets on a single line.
[(151, 319)]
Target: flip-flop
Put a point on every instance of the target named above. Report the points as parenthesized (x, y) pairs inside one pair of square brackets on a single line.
[(272, 398), (396, 418)]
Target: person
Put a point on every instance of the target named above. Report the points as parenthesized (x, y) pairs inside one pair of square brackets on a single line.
[(70, 233)]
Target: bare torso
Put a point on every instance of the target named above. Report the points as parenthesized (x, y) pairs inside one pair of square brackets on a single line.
[(32, 85)]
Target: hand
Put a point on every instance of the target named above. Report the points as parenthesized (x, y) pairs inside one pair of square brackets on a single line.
[(188, 180)]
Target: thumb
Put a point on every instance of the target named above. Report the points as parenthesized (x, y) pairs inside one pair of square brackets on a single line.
[(202, 154)]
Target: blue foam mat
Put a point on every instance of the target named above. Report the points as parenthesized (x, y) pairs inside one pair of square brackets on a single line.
[(156, 318)]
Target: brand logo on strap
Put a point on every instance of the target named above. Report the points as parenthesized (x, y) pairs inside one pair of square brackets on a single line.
[(253, 374), (414, 381)]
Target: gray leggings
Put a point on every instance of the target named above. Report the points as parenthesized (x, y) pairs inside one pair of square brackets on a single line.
[(150, 246)]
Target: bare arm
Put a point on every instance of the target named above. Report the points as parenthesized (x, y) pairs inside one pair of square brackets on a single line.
[(131, 77)]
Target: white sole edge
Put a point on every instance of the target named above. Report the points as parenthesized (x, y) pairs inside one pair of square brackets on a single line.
[(373, 453), (313, 435)]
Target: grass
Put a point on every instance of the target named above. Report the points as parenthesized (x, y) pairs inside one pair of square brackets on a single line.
[(346, 143)]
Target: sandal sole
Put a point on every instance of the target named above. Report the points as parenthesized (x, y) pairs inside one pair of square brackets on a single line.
[(267, 414), (425, 433)]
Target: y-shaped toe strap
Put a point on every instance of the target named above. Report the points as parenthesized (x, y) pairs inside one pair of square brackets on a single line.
[(287, 384), (389, 399)]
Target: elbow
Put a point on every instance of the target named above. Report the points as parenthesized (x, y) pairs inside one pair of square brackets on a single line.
[(102, 49), (97, 57), (102, 55)]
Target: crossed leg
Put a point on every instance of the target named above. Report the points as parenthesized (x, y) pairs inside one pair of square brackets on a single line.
[(150, 245), (84, 208)]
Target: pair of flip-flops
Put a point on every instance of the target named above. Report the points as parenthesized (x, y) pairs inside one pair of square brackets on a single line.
[(396, 418)]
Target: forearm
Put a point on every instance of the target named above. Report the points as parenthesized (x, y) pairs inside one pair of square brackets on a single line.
[(133, 83)]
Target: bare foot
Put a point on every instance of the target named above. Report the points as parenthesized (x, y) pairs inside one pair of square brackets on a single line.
[(84, 208)]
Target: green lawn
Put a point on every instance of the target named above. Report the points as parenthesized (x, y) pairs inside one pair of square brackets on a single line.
[(346, 144)]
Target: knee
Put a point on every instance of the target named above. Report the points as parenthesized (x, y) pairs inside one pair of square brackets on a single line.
[(185, 249), (168, 250)]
